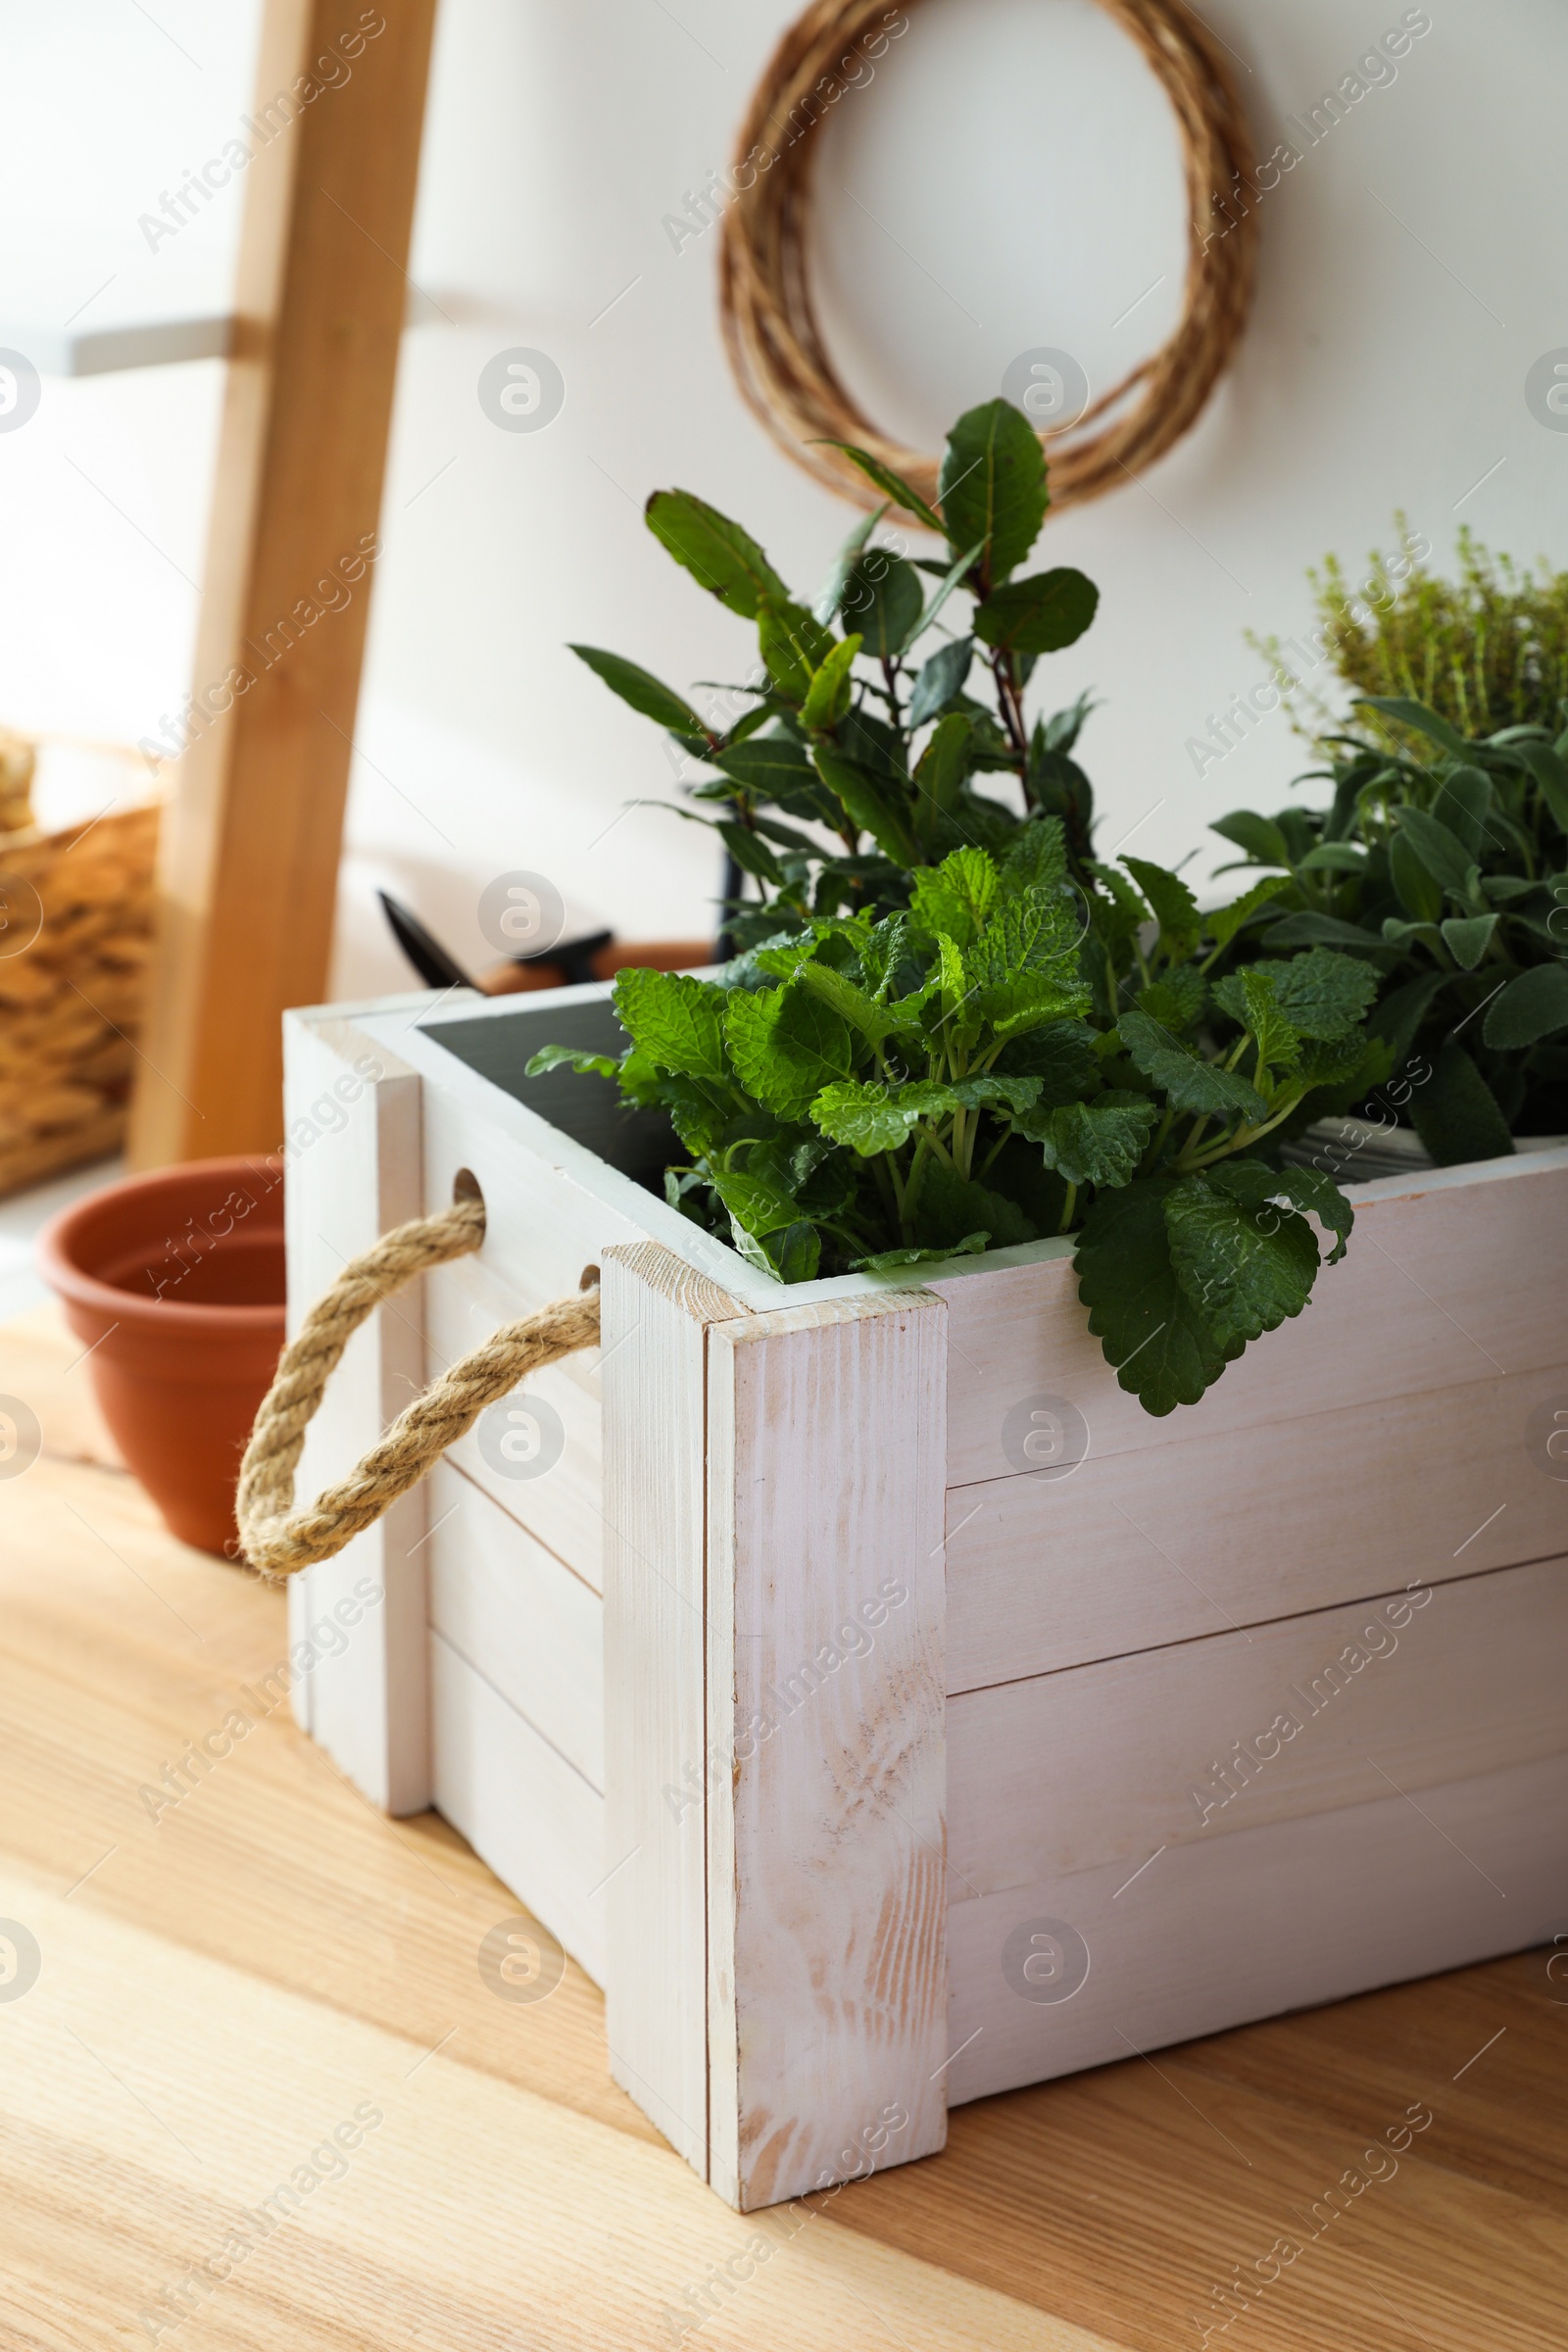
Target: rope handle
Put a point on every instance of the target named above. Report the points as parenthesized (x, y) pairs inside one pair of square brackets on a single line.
[(278, 1539)]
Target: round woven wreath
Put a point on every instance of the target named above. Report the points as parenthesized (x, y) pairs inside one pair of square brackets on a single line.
[(771, 329)]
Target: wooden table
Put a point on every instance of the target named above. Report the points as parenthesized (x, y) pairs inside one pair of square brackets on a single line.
[(234, 1970)]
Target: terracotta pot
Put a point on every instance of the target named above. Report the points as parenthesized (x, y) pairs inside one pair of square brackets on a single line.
[(174, 1280), (650, 955)]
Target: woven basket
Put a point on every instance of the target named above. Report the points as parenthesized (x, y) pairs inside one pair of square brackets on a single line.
[(71, 1001)]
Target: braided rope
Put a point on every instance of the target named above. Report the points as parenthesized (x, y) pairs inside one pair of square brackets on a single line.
[(772, 332), (278, 1539)]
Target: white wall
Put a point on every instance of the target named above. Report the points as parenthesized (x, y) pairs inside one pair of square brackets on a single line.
[(1012, 182)]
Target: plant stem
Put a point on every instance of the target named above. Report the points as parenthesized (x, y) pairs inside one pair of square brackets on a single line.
[(1069, 1207)]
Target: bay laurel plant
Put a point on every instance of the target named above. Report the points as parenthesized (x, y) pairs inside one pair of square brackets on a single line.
[(952, 1028)]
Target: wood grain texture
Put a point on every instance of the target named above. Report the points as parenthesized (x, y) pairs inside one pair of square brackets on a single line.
[(656, 1314), (354, 1170), (1268, 1918), (826, 1917), (1192, 1533), (1449, 1279), (1189, 1746), (271, 1946), (249, 848)]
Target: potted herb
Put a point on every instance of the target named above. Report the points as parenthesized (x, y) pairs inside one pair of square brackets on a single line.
[(953, 1028), (846, 1668), (1439, 859)]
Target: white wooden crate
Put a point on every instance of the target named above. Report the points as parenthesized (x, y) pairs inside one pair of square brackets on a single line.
[(867, 1771)]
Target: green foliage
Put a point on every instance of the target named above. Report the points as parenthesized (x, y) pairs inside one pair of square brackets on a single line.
[(1440, 867), (949, 1027), (876, 1092)]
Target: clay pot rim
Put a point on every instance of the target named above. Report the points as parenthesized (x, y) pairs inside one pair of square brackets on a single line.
[(57, 1264)]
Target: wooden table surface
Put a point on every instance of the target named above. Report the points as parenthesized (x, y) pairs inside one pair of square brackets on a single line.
[(229, 1976)]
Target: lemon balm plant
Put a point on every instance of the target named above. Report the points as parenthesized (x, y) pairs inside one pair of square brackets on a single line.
[(952, 1027)]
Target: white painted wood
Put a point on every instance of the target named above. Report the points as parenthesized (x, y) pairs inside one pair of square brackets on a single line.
[(1281, 1916), (1195, 1534), (1453, 1277), (520, 1617), (655, 1310), (826, 1910), (520, 1805), (1107, 1763), (353, 1171)]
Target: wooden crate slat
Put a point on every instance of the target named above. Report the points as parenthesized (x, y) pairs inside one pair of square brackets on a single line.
[(655, 1310), (353, 1171), (826, 1911), (1185, 1537), (1097, 1765), (520, 1805), (1282, 1916), (1452, 1279), (520, 1617)]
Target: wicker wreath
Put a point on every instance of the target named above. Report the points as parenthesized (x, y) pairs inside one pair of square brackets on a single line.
[(771, 329)]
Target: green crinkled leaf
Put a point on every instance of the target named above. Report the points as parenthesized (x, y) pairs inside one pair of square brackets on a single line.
[(642, 690), (1246, 1268), (957, 897), (941, 678), (1226, 922), (1094, 1143), (1163, 1352), (993, 487), (1177, 998), (944, 1208), (1189, 1082), (1550, 771), (993, 1092), (786, 1045), (1029, 1000), (873, 1021), (1252, 1184), (1531, 1007), (1175, 907), (887, 1262), (864, 1115), (754, 1204), (1040, 614), (1035, 932), (1061, 1054), (1321, 993), (678, 1021), (726, 560), (1036, 856), (551, 1057), (1121, 912)]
